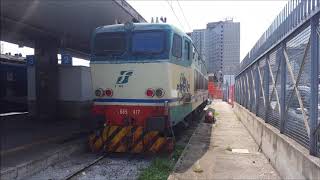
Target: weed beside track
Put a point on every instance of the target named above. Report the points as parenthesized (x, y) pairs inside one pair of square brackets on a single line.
[(162, 166)]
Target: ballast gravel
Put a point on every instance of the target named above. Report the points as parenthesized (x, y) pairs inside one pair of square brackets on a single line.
[(119, 167)]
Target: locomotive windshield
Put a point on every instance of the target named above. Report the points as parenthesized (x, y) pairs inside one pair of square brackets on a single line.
[(106, 44), (135, 45), (148, 42)]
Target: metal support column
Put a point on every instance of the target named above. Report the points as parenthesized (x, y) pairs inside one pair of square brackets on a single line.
[(314, 84), (283, 74), (266, 89)]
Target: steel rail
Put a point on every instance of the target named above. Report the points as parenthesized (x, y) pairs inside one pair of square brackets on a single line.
[(85, 167)]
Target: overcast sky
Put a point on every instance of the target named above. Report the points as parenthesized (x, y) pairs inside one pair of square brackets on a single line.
[(254, 16)]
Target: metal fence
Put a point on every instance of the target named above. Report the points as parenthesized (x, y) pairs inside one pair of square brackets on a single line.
[(279, 78)]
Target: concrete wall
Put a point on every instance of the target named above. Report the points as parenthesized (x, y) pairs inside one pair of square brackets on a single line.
[(74, 92), (289, 158), (74, 83)]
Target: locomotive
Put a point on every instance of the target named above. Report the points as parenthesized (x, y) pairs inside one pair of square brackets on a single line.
[(147, 78)]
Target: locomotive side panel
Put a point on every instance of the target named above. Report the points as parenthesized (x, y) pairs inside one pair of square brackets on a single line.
[(181, 81)]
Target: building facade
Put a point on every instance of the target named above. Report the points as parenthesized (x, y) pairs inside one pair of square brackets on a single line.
[(222, 44), (219, 44), (197, 37)]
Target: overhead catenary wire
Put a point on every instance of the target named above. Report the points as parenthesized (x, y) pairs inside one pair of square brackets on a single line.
[(187, 22), (171, 7)]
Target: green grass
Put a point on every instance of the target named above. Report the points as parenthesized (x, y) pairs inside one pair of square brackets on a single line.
[(161, 167)]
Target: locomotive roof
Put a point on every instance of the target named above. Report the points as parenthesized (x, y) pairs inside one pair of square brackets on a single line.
[(141, 26), (144, 26)]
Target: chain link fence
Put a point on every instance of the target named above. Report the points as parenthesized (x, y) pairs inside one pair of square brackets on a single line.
[(279, 78)]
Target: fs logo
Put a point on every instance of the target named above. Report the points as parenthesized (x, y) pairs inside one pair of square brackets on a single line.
[(124, 77)]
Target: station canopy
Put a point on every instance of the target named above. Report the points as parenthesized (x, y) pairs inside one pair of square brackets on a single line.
[(71, 22)]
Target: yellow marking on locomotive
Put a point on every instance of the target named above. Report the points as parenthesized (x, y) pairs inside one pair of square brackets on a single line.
[(118, 139), (137, 134), (95, 143), (138, 148), (156, 147), (107, 132), (128, 139)]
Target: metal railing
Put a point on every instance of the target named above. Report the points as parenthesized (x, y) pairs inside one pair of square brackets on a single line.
[(279, 78)]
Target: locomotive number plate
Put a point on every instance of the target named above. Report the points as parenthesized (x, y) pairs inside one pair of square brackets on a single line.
[(126, 111)]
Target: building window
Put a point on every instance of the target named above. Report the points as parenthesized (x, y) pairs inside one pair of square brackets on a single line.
[(177, 46)]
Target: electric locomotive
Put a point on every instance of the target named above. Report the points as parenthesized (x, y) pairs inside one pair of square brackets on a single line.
[(147, 78)]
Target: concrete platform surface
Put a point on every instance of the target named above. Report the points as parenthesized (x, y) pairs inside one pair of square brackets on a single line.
[(19, 132), (29, 145), (223, 151)]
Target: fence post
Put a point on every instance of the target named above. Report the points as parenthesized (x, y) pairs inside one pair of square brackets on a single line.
[(241, 88), (257, 84), (266, 90), (314, 44), (251, 79), (246, 97), (283, 74), (237, 90)]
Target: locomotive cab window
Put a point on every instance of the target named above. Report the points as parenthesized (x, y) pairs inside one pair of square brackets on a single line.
[(187, 49), (177, 46), (106, 44), (148, 42)]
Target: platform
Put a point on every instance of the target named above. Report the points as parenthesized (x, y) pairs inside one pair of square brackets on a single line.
[(29, 145), (18, 131), (223, 151)]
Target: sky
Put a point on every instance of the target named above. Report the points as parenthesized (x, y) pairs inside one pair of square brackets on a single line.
[(254, 16)]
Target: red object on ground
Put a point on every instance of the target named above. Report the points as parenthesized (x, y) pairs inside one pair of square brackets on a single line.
[(209, 117), (215, 91)]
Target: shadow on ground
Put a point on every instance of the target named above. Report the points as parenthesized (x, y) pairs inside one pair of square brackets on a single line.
[(198, 144)]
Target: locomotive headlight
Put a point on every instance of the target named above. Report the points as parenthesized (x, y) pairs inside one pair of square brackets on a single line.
[(150, 92), (99, 92), (109, 92), (160, 92)]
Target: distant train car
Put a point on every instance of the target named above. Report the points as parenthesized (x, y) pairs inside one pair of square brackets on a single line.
[(13, 84), (147, 78)]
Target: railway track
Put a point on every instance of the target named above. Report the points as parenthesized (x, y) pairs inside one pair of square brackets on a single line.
[(85, 167), (78, 172)]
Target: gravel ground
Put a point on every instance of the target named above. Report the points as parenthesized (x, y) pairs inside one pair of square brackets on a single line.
[(115, 168), (120, 167)]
